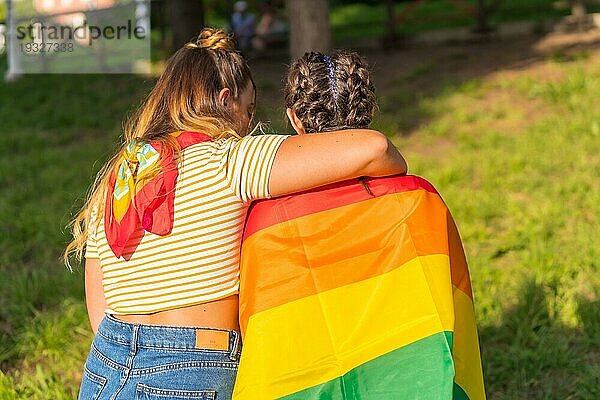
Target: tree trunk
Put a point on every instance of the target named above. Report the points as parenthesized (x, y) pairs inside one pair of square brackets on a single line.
[(186, 20), (309, 26), (578, 8), (229, 14), (579, 12), (482, 24), (390, 6)]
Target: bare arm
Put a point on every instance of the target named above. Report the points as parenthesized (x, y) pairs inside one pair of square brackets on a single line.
[(94, 293), (310, 160)]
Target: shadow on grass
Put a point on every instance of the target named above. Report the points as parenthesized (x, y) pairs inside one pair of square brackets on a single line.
[(532, 355), (409, 76), (409, 79)]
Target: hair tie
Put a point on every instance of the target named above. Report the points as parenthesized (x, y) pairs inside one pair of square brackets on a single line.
[(331, 75)]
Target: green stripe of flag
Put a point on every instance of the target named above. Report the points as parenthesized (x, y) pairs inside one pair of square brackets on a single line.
[(421, 370), (459, 393)]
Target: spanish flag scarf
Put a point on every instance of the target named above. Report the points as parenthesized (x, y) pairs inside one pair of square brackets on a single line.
[(142, 191), (348, 293)]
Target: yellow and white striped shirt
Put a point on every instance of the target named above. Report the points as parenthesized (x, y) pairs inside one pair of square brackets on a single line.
[(199, 260)]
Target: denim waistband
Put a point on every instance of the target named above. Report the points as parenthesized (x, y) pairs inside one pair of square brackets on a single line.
[(158, 336)]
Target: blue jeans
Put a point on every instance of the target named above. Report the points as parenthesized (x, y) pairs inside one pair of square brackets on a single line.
[(146, 362)]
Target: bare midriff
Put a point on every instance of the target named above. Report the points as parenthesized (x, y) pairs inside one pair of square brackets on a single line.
[(220, 314)]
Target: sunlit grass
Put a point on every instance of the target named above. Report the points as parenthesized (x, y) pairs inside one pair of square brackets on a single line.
[(527, 201)]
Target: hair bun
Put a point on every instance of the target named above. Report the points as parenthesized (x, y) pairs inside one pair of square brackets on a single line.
[(215, 39)]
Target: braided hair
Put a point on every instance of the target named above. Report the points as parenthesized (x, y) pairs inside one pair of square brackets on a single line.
[(330, 93)]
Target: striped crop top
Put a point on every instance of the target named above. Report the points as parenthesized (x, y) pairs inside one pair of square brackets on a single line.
[(199, 260)]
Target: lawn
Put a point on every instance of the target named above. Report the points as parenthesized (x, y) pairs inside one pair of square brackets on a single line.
[(515, 154), (517, 158)]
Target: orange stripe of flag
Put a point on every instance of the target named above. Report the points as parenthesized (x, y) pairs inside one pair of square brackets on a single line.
[(319, 250), (270, 212)]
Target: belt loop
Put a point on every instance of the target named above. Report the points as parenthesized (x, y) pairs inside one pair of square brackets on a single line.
[(233, 355), (134, 340)]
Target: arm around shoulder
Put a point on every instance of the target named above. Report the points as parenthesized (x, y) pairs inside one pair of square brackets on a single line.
[(386, 159), (310, 160)]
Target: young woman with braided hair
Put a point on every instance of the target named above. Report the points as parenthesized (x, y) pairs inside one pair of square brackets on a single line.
[(349, 290), (162, 226), (329, 93)]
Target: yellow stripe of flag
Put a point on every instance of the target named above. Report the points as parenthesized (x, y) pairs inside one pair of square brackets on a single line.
[(412, 302)]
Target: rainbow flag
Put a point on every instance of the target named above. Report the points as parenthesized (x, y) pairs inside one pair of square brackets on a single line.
[(357, 290)]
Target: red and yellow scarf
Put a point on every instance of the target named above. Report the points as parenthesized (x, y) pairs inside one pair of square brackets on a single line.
[(141, 191)]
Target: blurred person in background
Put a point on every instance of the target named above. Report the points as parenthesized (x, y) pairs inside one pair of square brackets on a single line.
[(271, 29), (243, 24)]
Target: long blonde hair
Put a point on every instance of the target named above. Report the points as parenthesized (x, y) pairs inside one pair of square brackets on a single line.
[(183, 99)]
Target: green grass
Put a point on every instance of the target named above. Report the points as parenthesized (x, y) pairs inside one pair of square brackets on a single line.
[(527, 201), (56, 130), (515, 156)]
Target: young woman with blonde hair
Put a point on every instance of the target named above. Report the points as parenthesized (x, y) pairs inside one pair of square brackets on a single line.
[(162, 227)]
